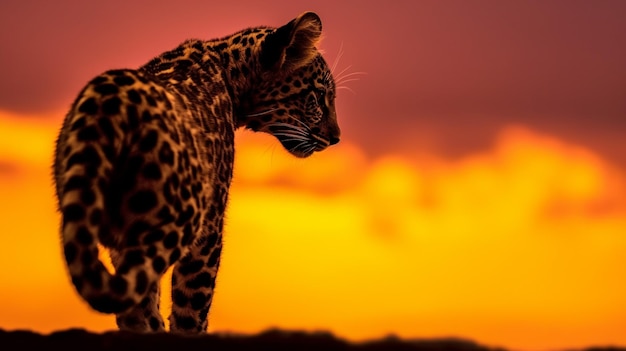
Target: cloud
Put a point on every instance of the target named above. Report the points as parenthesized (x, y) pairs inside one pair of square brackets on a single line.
[(525, 172), (528, 234), (27, 139)]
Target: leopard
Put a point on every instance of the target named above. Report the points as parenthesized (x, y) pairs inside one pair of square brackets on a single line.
[(144, 159)]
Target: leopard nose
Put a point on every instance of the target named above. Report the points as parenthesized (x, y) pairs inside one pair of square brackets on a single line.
[(333, 140)]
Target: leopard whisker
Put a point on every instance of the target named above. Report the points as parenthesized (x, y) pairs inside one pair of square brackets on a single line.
[(293, 136), (351, 74), (304, 148), (346, 88), (312, 146), (290, 135), (287, 125), (291, 128), (304, 125), (327, 76), (338, 75), (348, 80), (300, 140), (332, 69), (262, 113)]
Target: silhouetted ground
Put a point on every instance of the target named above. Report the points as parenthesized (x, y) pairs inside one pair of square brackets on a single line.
[(78, 339)]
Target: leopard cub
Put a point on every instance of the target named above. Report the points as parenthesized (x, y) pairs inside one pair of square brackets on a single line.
[(144, 161)]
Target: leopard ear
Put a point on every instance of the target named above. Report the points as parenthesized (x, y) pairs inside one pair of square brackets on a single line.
[(292, 45)]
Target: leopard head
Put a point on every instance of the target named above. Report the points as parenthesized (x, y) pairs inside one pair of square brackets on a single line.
[(295, 99)]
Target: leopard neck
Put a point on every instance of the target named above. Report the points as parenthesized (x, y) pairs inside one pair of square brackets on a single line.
[(239, 56), (200, 70)]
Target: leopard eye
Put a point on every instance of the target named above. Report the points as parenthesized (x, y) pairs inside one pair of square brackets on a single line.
[(313, 108)]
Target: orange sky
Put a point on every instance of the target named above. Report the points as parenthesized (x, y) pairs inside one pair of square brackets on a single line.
[(522, 246), (479, 190)]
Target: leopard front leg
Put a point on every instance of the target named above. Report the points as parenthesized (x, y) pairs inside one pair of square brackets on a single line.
[(193, 280)]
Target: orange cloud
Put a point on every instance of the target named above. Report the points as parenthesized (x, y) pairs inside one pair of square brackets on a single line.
[(521, 246)]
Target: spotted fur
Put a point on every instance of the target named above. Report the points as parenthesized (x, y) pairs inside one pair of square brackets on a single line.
[(144, 160)]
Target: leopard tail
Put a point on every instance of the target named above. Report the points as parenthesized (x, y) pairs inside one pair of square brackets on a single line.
[(82, 174)]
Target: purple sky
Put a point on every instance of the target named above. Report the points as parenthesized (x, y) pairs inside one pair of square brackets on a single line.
[(442, 76)]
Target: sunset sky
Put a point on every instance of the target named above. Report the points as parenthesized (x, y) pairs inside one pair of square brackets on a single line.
[(479, 190)]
